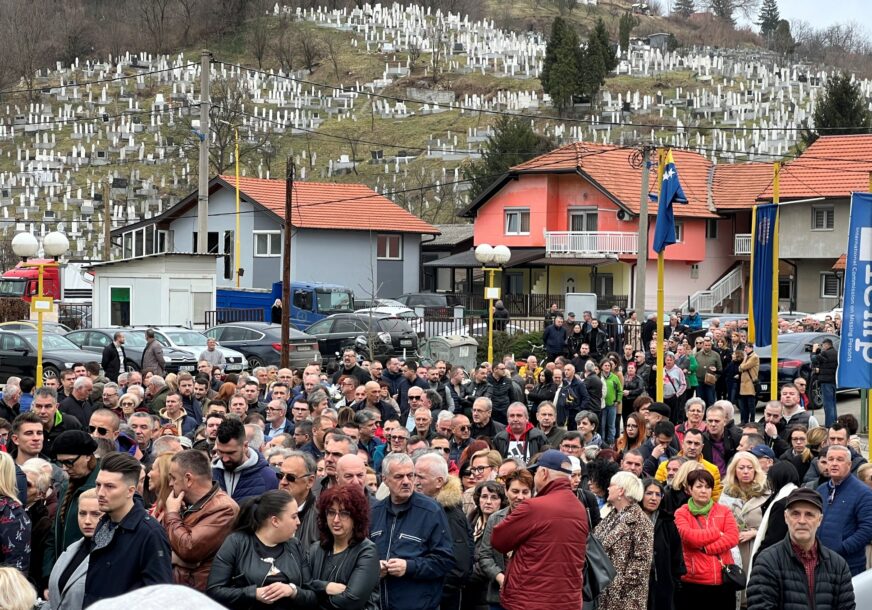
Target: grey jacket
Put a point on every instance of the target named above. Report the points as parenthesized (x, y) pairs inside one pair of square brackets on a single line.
[(153, 359), (492, 562), (73, 595)]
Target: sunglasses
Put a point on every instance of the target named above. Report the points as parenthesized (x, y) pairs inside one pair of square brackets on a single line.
[(290, 478), (444, 449), (99, 429), (397, 437), (463, 427), (415, 397), (69, 463)]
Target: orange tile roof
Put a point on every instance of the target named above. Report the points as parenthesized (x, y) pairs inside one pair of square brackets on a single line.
[(738, 185), (834, 166), (609, 167), (332, 205), (841, 263)]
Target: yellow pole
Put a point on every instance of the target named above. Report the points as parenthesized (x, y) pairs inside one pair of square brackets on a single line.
[(236, 259), (40, 273), (660, 269), (752, 327), (773, 367), (490, 318)]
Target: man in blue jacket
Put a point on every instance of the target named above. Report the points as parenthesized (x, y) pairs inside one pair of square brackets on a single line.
[(847, 524), (411, 533), (554, 338), (238, 469)]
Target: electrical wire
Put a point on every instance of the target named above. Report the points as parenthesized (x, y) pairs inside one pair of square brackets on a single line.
[(98, 81)]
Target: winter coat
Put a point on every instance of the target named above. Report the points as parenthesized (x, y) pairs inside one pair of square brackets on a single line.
[(238, 570), (251, 478), (598, 342), (491, 562), (826, 361), (660, 475), (503, 393), (65, 530), (416, 531), (749, 516), (14, 535), (668, 564), (554, 339), (196, 534), (111, 361), (138, 555), (706, 542), (749, 370), (450, 498), (704, 361), (80, 409), (501, 317), (548, 538), (184, 423), (153, 358), (358, 571), (308, 532), (847, 525), (778, 581), (531, 442), (627, 537), (73, 595)]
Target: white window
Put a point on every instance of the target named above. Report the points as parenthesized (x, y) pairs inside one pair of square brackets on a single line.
[(829, 286), (711, 228), (517, 221), (390, 247), (267, 243), (679, 231), (582, 220), (823, 218)]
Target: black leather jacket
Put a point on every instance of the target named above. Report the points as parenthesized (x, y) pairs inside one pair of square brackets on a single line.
[(358, 571), (238, 571)]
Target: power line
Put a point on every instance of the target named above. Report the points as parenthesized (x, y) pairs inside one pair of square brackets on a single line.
[(95, 82)]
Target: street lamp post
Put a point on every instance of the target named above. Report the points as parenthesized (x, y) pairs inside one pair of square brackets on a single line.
[(26, 246), (492, 259)]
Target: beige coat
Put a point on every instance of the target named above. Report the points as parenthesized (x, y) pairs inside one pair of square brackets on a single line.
[(749, 370)]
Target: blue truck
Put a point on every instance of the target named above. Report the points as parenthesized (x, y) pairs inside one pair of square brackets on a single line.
[(310, 301)]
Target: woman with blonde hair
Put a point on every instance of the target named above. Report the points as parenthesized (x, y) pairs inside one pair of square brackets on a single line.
[(159, 484), (14, 522), (15, 592), (677, 492), (66, 585), (746, 493), (172, 381), (128, 405)]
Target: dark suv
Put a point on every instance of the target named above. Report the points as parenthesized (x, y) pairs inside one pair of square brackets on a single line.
[(388, 335), (434, 303)]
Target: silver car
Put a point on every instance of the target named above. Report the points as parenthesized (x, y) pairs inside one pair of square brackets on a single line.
[(194, 343)]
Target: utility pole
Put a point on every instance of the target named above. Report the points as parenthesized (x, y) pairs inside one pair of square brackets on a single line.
[(107, 224), (642, 241), (203, 185), (286, 264)]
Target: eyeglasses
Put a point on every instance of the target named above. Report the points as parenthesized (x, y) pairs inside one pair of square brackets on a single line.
[(397, 437), (418, 397), (69, 463), (478, 469), (342, 514), (570, 447), (98, 429), (273, 408), (290, 478)]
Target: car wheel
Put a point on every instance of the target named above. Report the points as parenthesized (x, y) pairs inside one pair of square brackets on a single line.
[(815, 395), (49, 372), (132, 368), (254, 362)]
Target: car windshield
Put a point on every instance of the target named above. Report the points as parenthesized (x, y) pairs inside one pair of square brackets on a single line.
[(12, 288), (50, 341), (134, 339), (786, 347), (334, 301), (187, 338), (394, 325)]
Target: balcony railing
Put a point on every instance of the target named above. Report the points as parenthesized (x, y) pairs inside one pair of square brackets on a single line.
[(574, 243), (742, 244)]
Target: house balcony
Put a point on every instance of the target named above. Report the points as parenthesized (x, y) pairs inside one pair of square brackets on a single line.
[(742, 244), (589, 243)]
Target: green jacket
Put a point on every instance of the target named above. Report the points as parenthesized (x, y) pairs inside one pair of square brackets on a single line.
[(66, 533), (158, 401), (613, 390), (704, 361)]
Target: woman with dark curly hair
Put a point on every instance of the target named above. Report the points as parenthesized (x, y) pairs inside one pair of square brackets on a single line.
[(345, 563), (490, 497)]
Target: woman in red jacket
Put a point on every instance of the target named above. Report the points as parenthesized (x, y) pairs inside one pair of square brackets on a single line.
[(708, 531)]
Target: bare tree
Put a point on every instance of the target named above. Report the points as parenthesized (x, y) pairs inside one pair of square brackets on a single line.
[(258, 33), (333, 54), (283, 43), (27, 47), (188, 11), (154, 15), (310, 50)]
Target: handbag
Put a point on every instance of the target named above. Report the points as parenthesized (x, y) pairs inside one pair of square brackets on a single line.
[(710, 379), (599, 571), (756, 381), (733, 576)]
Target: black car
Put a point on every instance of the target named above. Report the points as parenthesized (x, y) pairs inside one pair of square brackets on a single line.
[(794, 360), (18, 354), (388, 335), (261, 343), (435, 304), (95, 339)]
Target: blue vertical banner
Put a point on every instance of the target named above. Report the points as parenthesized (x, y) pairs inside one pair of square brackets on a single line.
[(764, 266), (855, 348), (670, 191)]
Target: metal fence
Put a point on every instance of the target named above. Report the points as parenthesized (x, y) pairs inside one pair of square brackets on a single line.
[(224, 315), (76, 315), (530, 305)]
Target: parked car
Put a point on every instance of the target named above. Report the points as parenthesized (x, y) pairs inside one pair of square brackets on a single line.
[(400, 311), (194, 343), (95, 339), (436, 304), (794, 360), (261, 343), (18, 354), (30, 325), (478, 330), (388, 335)]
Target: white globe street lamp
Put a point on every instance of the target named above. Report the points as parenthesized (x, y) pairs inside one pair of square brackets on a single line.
[(492, 259)]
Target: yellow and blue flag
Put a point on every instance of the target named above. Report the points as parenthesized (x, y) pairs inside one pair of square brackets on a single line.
[(762, 270), (670, 191)]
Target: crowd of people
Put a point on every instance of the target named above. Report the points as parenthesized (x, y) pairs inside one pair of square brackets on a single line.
[(397, 485)]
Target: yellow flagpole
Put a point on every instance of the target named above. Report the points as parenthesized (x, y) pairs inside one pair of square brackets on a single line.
[(236, 261), (752, 327), (661, 161), (773, 369)]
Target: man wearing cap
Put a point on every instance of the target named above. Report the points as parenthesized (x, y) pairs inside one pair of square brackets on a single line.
[(799, 571), (547, 536), (847, 523), (765, 456), (74, 451)]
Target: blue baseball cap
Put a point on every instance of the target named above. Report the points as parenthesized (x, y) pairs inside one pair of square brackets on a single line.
[(763, 451), (553, 460)]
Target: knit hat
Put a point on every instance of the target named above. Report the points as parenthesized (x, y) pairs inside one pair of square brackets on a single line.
[(660, 408), (74, 442)]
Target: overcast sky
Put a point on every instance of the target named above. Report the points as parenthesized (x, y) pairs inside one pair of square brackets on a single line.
[(822, 14)]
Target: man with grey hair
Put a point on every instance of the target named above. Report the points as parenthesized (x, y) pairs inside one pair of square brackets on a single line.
[(432, 480), (297, 477), (366, 425), (520, 439), (336, 445), (276, 419), (9, 408), (156, 392), (77, 403), (254, 436), (412, 573), (483, 423), (549, 529)]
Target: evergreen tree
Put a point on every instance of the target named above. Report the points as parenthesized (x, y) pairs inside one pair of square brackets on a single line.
[(626, 24), (684, 8), (512, 143), (769, 18), (723, 9), (782, 39), (593, 72), (842, 110), (561, 69), (600, 37)]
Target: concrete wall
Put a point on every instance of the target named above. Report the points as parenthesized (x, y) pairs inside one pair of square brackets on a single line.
[(808, 285), (797, 240)]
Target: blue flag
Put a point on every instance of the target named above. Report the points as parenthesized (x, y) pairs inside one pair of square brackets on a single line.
[(762, 269), (855, 349), (670, 191)]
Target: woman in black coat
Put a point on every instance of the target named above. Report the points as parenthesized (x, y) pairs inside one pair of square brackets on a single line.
[(344, 563), (668, 563), (261, 565), (546, 389), (597, 340)]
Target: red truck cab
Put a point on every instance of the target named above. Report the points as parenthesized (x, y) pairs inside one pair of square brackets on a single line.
[(23, 281)]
